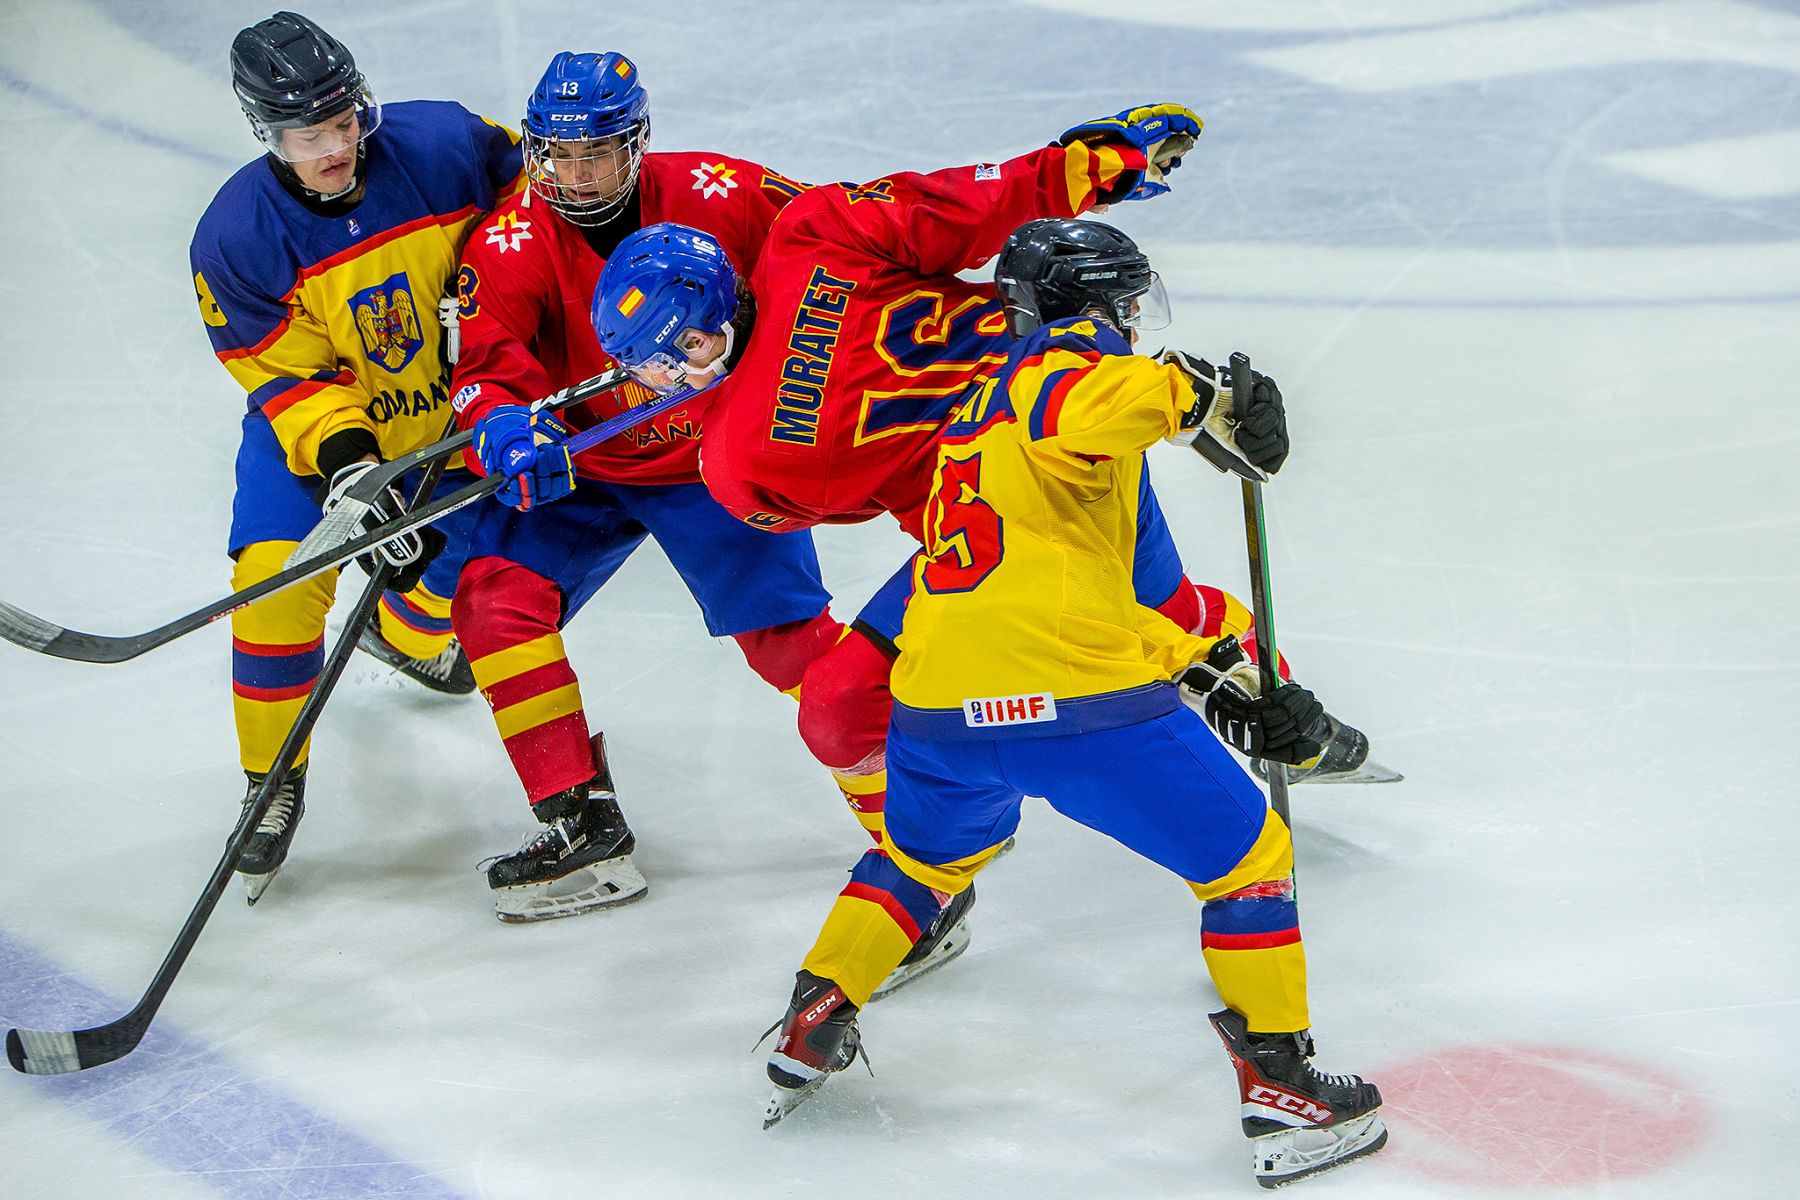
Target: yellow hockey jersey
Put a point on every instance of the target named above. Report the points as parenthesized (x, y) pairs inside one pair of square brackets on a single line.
[(1023, 592), (329, 322)]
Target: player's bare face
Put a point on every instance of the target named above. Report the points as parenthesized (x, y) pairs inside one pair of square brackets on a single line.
[(591, 169), (324, 155)]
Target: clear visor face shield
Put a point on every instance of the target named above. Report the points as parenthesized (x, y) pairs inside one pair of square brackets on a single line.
[(295, 143), (696, 362), (585, 179), (1149, 309)]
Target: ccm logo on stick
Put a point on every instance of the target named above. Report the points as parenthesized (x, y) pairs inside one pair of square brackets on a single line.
[(1010, 710)]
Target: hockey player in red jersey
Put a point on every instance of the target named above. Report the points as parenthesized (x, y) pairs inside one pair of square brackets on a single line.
[(319, 269), (1028, 667), (863, 335), (526, 287)]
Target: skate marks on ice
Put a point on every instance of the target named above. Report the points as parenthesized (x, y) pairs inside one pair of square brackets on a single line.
[(187, 1107), (1511, 1116)]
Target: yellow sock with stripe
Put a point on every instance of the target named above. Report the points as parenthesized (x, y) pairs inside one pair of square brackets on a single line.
[(1250, 935), (277, 652), (416, 624), (867, 797)]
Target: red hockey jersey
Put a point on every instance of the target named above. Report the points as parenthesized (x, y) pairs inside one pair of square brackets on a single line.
[(527, 283), (864, 336)]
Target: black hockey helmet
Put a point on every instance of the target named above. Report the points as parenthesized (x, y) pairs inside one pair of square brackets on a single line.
[(1053, 269), (290, 74)]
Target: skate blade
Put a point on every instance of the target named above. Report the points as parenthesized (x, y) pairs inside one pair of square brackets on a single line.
[(1369, 772), (256, 885), (582, 890), (1281, 1158), (783, 1101), (947, 952)]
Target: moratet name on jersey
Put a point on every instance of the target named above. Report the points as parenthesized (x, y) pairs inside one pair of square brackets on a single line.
[(812, 343), (1033, 709)]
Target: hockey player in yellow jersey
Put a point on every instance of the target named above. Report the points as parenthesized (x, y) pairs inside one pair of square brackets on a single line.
[(1027, 667), (319, 269)]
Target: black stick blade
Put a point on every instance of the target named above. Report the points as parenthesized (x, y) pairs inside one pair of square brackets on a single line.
[(36, 634), (37, 1052), (22, 629), (43, 1052)]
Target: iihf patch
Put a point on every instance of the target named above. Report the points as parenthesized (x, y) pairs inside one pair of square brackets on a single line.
[(986, 171), (465, 396), (1031, 709)]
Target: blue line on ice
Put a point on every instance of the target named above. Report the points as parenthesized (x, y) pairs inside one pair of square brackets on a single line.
[(148, 137), (186, 1106)]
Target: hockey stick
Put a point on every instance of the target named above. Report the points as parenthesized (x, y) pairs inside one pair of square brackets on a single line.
[(47, 1052), (1256, 540), (343, 521), (44, 637)]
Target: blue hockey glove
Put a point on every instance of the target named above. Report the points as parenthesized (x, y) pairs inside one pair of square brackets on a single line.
[(1164, 132), (527, 448)]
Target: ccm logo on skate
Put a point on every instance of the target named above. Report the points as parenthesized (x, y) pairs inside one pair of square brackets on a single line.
[(1300, 1106), (1010, 710), (818, 1011)]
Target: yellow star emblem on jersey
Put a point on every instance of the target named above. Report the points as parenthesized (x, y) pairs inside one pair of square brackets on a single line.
[(509, 232), (713, 179)]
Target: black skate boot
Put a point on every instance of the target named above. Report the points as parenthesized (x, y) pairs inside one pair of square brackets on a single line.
[(447, 671), (945, 939), (268, 846), (580, 861), (1300, 1122), (818, 1036), (1345, 759)]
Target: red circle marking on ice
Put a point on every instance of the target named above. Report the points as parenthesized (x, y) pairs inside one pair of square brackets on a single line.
[(1535, 1116)]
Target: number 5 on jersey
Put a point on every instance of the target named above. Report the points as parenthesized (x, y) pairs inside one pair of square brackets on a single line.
[(966, 535)]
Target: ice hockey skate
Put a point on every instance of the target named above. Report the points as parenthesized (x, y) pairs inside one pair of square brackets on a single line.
[(1299, 1121), (268, 846), (945, 939), (579, 861), (818, 1037), (448, 671), (1345, 759)]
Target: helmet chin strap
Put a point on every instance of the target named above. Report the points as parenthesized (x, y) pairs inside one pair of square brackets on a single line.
[(719, 368)]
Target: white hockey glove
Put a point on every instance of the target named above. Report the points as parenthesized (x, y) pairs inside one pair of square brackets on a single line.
[(1238, 430), (1287, 726), (450, 317), (410, 553)]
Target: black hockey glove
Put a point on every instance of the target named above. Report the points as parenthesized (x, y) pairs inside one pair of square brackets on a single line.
[(1286, 727), (1240, 430), (410, 553), (1261, 431)]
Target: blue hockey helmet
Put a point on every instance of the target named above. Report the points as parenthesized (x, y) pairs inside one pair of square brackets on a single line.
[(290, 75), (1053, 269), (663, 307), (585, 129)]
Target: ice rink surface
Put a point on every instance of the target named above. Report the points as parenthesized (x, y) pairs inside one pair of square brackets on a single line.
[(1529, 274)]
